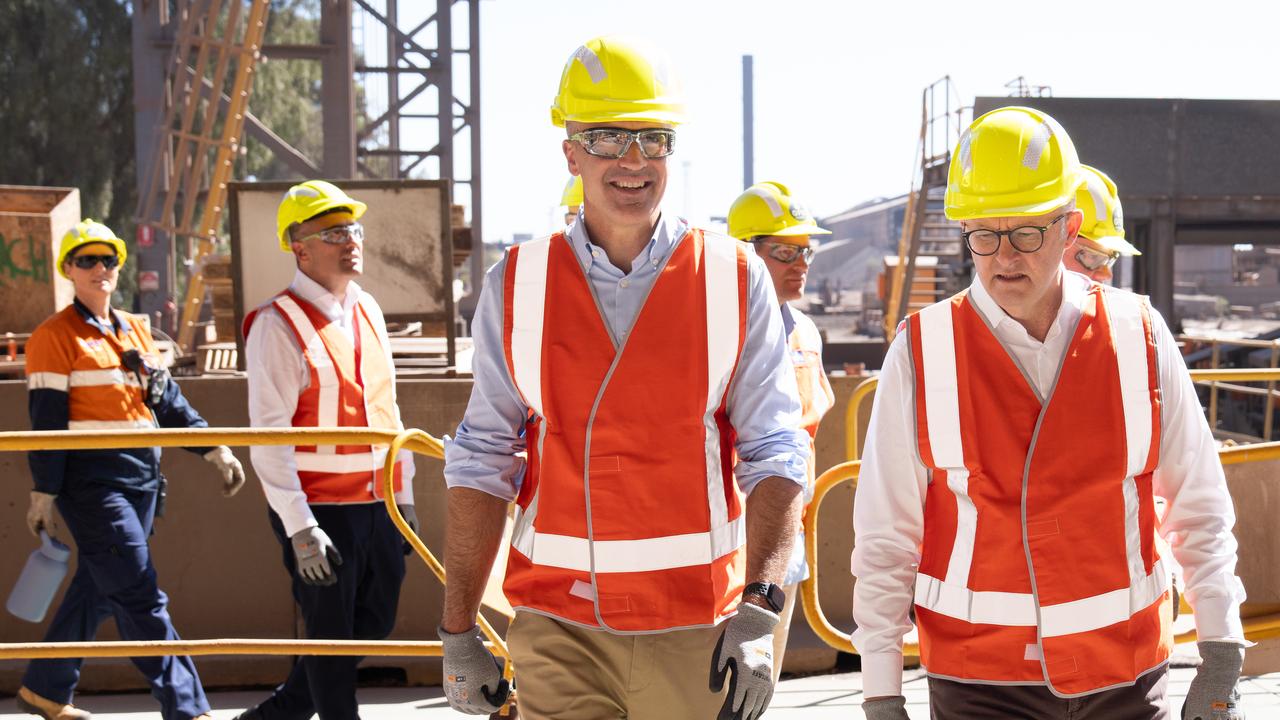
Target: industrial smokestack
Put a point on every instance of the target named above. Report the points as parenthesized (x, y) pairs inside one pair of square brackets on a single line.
[(748, 124)]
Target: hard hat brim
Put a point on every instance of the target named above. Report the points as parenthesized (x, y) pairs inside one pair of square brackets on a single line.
[(795, 230), (1115, 243)]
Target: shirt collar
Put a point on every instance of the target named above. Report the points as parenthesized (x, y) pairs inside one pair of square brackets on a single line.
[(316, 294), (1075, 288), (89, 317), (666, 233)]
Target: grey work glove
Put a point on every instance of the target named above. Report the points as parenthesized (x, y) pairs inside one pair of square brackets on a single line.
[(231, 469), (890, 708), (40, 513), (473, 681), (314, 552), (410, 516), (1214, 688), (746, 649)]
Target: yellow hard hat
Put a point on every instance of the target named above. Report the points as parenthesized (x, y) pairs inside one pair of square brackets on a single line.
[(307, 200), (572, 196), (613, 79), (1011, 162), (85, 232), (767, 208), (1103, 223)]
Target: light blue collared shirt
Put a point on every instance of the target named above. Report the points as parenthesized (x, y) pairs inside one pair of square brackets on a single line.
[(487, 453)]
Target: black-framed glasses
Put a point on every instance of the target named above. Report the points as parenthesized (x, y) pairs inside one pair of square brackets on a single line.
[(1094, 260), (87, 262), (787, 253), (339, 234), (1024, 239), (615, 142)]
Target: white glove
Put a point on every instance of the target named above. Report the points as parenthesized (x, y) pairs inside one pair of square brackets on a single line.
[(313, 550), (410, 516), (40, 513), (231, 469), (745, 650)]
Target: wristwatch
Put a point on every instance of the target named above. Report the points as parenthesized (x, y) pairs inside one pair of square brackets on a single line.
[(771, 593)]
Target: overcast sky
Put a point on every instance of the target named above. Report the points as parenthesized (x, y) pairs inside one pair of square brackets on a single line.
[(838, 83)]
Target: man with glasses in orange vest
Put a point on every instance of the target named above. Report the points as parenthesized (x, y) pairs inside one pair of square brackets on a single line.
[(319, 356), (90, 367), (619, 366), (1020, 435), (768, 216), (1101, 240)]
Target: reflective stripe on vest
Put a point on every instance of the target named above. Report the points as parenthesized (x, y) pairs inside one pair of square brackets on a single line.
[(591, 544), (1074, 596), (348, 473)]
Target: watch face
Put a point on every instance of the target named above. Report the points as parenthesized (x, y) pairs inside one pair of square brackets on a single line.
[(777, 599)]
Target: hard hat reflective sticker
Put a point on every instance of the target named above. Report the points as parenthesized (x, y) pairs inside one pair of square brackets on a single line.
[(95, 230), (774, 206), (799, 212), (1117, 218), (1036, 145), (591, 62), (966, 157), (1097, 193), (298, 191)]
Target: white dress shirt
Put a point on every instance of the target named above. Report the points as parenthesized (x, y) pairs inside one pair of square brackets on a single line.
[(278, 373), (889, 506)]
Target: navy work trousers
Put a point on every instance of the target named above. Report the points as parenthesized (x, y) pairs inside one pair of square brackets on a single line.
[(1146, 699), (115, 578), (361, 605)]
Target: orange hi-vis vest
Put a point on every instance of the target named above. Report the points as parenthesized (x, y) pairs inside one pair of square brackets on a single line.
[(1040, 562), (101, 393), (628, 518), (350, 386), (816, 397)]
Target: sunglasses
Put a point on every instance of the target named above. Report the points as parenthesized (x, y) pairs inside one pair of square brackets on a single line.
[(615, 142), (786, 253), (338, 235), (87, 262)]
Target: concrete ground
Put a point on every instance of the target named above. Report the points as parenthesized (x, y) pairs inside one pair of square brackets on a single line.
[(818, 697)]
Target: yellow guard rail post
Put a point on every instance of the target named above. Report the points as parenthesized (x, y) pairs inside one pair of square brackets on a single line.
[(414, 440)]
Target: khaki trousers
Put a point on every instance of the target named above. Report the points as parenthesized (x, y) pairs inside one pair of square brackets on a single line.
[(566, 672)]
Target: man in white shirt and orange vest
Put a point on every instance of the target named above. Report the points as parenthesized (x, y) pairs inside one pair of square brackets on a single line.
[(769, 217), (1021, 432), (1101, 240), (319, 356), (629, 356)]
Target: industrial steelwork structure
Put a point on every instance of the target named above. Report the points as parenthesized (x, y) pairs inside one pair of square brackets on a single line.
[(412, 70)]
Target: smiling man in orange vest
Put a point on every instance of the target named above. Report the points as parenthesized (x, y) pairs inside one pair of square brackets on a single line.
[(628, 356), (319, 356), (1020, 434), (779, 227)]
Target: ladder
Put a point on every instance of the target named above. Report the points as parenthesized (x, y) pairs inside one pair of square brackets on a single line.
[(925, 230), (201, 133)]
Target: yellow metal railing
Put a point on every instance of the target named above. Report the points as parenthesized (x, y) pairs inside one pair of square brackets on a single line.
[(414, 440)]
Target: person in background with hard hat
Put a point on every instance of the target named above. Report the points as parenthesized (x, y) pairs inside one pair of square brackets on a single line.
[(768, 216), (640, 354), (571, 199), (90, 367), (319, 356), (1020, 434), (1101, 240)]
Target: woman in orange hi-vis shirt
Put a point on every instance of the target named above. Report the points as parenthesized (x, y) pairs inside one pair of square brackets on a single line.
[(90, 367)]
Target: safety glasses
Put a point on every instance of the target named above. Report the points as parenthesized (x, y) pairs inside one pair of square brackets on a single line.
[(339, 234), (87, 262), (615, 142), (1092, 260), (786, 253)]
